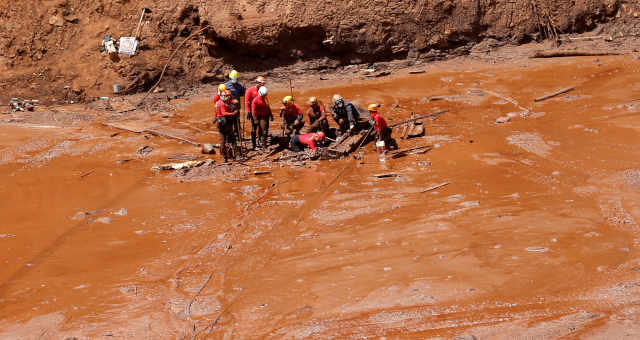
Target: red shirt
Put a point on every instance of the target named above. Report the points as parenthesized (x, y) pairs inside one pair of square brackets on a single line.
[(307, 139), (249, 96), (216, 98), (380, 123), (260, 107), (223, 109), (292, 112)]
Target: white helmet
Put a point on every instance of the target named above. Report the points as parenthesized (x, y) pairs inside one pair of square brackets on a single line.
[(262, 91), (338, 100)]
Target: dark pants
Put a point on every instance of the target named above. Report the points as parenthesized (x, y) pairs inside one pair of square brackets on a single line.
[(343, 125), (254, 130), (227, 136), (295, 144), (261, 127), (293, 127), (389, 142)]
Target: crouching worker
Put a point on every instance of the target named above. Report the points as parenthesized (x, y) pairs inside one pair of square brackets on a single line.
[(292, 117), (317, 116), (345, 114), (225, 118), (310, 140), (383, 132)]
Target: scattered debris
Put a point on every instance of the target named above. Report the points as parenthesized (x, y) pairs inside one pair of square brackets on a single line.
[(183, 157), (417, 72), (258, 173), (103, 220), (417, 130), (7, 235), (122, 161), (145, 150), (551, 95), (184, 165), (208, 149), (403, 151), (121, 212), (525, 112)]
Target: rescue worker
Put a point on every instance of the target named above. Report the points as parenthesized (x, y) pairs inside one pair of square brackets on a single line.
[(221, 88), (225, 115), (292, 117), (237, 91), (345, 114), (249, 96), (317, 116), (261, 111), (310, 140), (383, 132)]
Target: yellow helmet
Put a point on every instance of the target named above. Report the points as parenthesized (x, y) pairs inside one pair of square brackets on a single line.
[(286, 100), (222, 88), (233, 74), (313, 100), (374, 107)]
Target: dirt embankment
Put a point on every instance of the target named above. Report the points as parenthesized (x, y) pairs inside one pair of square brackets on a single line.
[(49, 50)]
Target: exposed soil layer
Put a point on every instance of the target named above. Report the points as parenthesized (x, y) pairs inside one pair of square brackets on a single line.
[(536, 236), (49, 50)]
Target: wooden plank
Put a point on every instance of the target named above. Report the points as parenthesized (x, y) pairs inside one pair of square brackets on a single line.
[(166, 135), (408, 126), (386, 175), (412, 149), (418, 118), (551, 95), (435, 187)]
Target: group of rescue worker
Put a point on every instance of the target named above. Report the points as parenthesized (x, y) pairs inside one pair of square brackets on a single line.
[(259, 114)]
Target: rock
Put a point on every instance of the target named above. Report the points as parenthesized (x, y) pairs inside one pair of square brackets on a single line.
[(208, 149), (503, 120), (56, 20)]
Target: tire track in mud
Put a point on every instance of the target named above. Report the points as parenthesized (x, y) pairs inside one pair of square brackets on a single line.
[(286, 221)]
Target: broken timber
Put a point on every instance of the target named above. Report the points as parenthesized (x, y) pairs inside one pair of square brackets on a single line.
[(551, 95), (397, 152), (435, 187), (418, 118), (153, 132)]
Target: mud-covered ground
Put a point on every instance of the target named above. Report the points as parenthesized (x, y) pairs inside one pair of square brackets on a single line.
[(535, 237)]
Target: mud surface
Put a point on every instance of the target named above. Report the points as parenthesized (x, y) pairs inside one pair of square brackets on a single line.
[(536, 236)]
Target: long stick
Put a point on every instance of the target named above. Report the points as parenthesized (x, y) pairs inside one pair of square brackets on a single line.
[(435, 187), (510, 100), (140, 22), (418, 118), (577, 53), (557, 93)]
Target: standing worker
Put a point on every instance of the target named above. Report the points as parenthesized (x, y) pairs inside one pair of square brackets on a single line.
[(317, 116), (345, 114), (224, 118), (292, 119), (383, 132), (310, 140), (249, 96), (237, 91), (221, 89), (261, 111)]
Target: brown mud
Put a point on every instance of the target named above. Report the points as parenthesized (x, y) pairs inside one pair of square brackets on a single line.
[(536, 236)]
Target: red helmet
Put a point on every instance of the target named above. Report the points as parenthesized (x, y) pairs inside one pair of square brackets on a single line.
[(320, 135)]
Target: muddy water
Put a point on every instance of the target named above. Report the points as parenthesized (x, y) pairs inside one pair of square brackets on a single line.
[(536, 234)]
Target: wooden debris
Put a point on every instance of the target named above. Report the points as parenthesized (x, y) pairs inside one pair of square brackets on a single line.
[(258, 173), (418, 118), (182, 157), (87, 174), (386, 175), (408, 126), (184, 165), (126, 160), (412, 149), (166, 135), (417, 72), (416, 131), (551, 95), (574, 53), (208, 149), (435, 187)]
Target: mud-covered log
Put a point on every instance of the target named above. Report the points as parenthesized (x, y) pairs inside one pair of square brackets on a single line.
[(575, 53)]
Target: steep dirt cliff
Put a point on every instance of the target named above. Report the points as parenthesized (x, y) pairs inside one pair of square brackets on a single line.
[(50, 49)]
